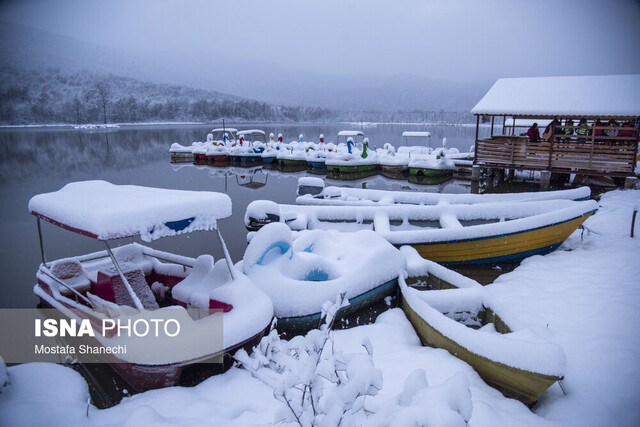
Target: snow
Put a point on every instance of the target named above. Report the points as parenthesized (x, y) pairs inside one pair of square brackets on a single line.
[(350, 133), (250, 132), (559, 96), (350, 262), (416, 134), (107, 211), (349, 196), (583, 297)]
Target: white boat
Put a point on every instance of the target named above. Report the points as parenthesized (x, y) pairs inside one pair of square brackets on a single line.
[(446, 233), (133, 281), (314, 192), (302, 273)]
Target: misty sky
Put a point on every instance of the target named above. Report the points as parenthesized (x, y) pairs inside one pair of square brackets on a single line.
[(456, 40)]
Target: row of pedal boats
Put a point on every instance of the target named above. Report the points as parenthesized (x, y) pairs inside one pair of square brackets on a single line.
[(285, 275), (350, 154)]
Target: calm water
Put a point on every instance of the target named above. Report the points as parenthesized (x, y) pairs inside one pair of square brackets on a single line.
[(34, 161)]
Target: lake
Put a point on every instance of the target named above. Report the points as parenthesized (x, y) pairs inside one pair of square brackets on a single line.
[(35, 160)]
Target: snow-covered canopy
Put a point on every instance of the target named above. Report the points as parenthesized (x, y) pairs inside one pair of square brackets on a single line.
[(250, 132), (234, 130), (106, 211), (413, 133), (589, 96), (350, 133)]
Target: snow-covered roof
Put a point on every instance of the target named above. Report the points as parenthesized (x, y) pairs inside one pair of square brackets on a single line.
[(106, 211), (251, 132), (410, 133), (225, 130), (350, 133), (564, 96)]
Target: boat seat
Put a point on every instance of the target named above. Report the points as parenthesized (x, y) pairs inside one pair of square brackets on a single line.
[(110, 287), (72, 274)]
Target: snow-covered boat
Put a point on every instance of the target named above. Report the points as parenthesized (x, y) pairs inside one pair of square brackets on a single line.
[(312, 191), (248, 150), (434, 165), (356, 161), (302, 274), (224, 134), (446, 233), (453, 312), (180, 153), (395, 163), (133, 281)]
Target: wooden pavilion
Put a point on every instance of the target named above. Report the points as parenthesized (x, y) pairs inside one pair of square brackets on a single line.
[(605, 143)]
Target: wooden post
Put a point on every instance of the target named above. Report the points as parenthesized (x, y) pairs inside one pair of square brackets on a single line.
[(475, 179), (630, 182), (512, 174), (545, 180)]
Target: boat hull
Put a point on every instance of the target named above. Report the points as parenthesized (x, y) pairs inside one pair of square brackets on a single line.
[(302, 324), (523, 385), (292, 162), (142, 377), (222, 160), (352, 168), (508, 247), (178, 157), (435, 173)]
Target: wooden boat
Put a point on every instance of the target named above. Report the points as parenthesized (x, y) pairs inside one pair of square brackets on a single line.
[(315, 193), (451, 234), (302, 274), (449, 311), (134, 281)]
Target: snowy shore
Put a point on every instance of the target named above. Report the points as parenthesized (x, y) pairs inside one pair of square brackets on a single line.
[(585, 297)]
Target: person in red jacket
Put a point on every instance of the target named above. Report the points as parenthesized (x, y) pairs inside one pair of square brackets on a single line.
[(533, 133)]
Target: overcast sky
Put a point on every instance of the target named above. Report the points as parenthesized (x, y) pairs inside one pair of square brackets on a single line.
[(457, 40)]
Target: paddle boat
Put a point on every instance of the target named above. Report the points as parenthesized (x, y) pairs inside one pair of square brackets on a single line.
[(314, 192), (451, 311), (301, 274), (356, 162), (434, 165), (446, 233), (395, 164), (293, 156), (180, 153), (224, 134), (216, 306), (250, 145)]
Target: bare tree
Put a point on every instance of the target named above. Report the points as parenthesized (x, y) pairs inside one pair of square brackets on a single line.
[(103, 96)]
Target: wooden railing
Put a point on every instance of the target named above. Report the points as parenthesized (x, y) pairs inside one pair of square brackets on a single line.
[(614, 156)]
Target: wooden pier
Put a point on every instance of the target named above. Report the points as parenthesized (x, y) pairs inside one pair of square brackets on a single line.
[(605, 143)]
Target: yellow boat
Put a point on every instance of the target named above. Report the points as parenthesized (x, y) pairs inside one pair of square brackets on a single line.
[(446, 233), (448, 311)]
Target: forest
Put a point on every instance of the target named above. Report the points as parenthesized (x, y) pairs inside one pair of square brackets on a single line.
[(48, 96)]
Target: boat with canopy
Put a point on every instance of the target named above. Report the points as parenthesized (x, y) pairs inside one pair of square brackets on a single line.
[(133, 281)]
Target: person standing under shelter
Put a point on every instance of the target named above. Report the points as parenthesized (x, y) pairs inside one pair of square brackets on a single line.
[(533, 133), (583, 130), (568, 129)]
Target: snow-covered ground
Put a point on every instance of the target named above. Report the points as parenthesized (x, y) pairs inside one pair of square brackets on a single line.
[(585, 297)]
